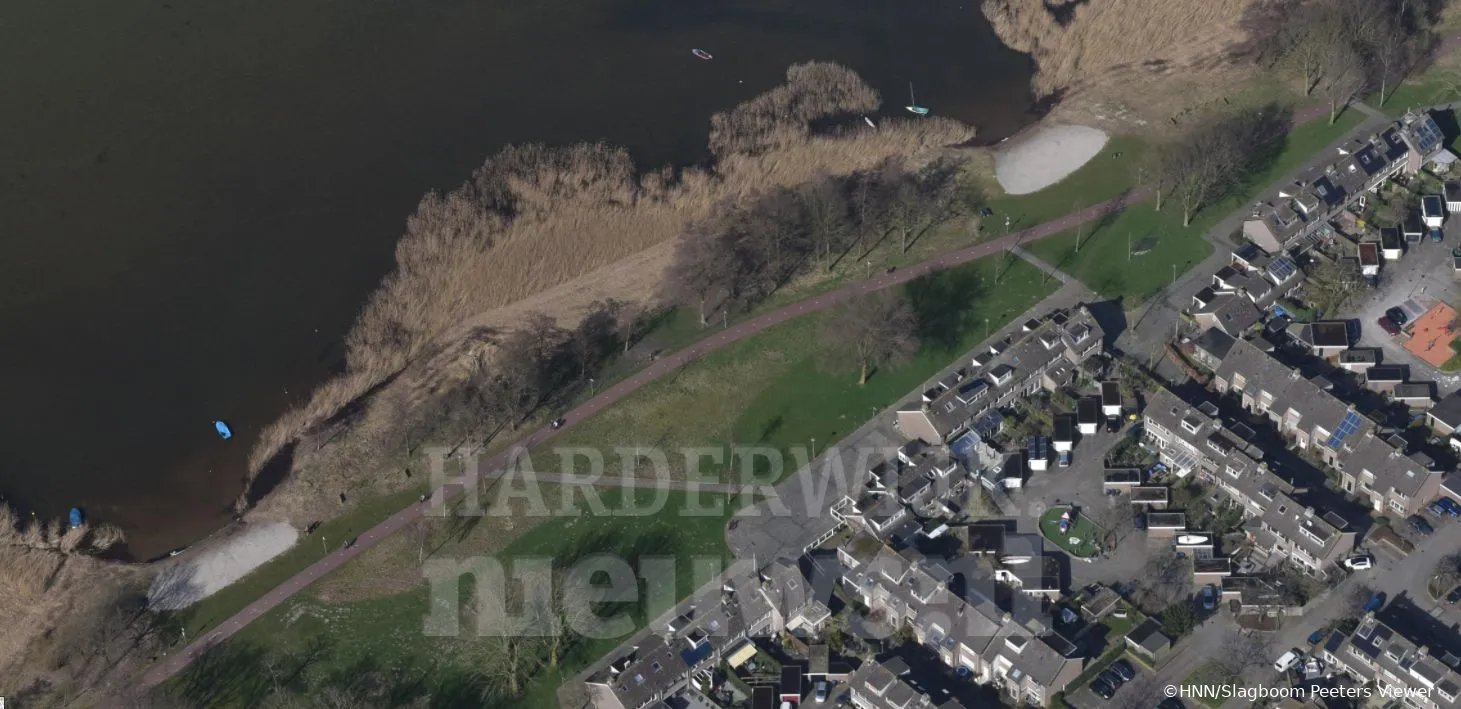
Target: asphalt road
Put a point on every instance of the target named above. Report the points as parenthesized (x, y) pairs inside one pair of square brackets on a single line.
[(171, 665)]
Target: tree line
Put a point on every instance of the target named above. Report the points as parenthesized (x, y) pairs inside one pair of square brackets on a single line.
[(1342, 47), (747, 249)]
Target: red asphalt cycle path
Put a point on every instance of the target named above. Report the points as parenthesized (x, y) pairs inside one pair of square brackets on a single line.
[(162, 671)]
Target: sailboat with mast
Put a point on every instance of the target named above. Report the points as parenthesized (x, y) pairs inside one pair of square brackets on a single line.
[(913, 106)]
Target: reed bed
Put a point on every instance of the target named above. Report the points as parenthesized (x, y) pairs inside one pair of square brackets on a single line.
[(1078, 44), (552, 229)]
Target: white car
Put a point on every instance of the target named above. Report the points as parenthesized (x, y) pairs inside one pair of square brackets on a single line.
[(1289, 659), (1360, 562), (821, 695)]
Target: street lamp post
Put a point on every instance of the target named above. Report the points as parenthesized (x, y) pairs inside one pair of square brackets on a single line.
[(591, 383)]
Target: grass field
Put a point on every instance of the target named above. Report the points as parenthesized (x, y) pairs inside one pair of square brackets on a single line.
[(1207, 675), (1082, 529), (772, 389), (1106, 260), (317, 645)]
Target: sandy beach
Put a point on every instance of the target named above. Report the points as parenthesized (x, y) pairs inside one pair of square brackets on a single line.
[(1044, 155)]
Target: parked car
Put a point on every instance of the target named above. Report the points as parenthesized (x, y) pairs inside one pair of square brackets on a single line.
[(1171, 703), (1065, 459), (1111, 677), (821, 693), (1388, 326), (1437, 236), (1420, 525), (1288, 660), (1446, 506), (1209, 597), (1138, 521), (1123, 668), (1316, 637), (1398, 316), (1359, 562), (1454, 595), (1103, 689)]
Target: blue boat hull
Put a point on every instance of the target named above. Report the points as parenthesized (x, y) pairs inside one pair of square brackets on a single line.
[(224, 431), (75, 518)]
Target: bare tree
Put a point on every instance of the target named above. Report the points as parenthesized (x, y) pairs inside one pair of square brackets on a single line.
[(704, 268), (1344, 75), (1206, 162), (1167, 579), (627, 313), (593, 339), (870, 331), (1138, 693), (1115, 518), (1389, 49), (1329, 285), (524, 369), (826, 206), (1243, 652)]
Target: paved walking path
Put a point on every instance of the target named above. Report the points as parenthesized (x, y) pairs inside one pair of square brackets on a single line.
[(162, 671)]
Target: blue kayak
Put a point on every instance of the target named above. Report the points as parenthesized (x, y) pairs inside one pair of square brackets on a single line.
[(223, 430), (76, 518)]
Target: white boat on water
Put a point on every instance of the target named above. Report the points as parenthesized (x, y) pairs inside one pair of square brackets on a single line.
[(702, 54), (913, 106), (870, 123)]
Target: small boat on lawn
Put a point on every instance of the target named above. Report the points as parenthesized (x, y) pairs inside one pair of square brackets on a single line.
[(223, 430), (913, 106), (76, 518), (702, 54)]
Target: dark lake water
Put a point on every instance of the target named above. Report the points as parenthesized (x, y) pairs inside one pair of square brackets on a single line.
[(196, 196)]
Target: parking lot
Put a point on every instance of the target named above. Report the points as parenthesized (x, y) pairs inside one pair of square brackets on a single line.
[(1424, 276)]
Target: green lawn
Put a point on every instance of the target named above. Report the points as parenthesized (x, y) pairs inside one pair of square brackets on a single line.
[(1209, 676), (1110, 259), (1082, 529), (773, 389), (314, 645)]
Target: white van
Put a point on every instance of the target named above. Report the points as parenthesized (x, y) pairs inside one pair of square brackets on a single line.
[(1289, 659)]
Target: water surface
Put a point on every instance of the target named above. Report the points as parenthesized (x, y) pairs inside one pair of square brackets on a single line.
[(196, 196)]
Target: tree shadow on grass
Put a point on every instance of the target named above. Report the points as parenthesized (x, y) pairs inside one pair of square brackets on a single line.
[(940, 302)]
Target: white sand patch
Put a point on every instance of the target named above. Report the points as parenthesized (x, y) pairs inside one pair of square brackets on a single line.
[(208, 570), (1044, 156)]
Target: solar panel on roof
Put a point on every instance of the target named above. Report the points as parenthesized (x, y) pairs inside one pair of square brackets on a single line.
[(1427, 136), (1282, 267), (1347, 427)]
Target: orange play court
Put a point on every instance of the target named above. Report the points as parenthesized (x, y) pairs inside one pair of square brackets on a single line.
[(1431, 336)]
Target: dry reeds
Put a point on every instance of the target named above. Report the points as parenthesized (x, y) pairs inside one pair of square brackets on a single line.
[(535, 223), (1077, 43)]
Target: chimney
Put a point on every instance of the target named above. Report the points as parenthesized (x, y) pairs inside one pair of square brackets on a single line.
[(1005, 619)]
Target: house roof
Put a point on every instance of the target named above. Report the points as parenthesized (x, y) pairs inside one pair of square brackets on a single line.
[(1232, 312), (1386, 373), (1448, 410), (1214, 342), (1149, 636), (1360, 355), (1064, 428), (1453, 191), (1329, 333), (1415, 390)]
